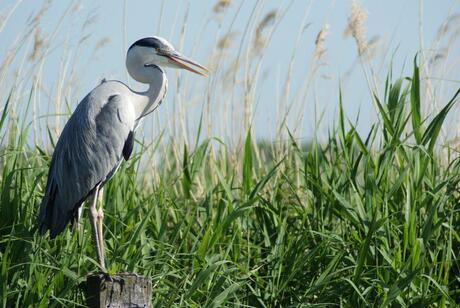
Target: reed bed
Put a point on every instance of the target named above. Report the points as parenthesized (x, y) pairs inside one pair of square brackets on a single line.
[(218, 217)]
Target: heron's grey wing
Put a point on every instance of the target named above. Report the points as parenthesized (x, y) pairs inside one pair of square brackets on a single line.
[(91, 146)]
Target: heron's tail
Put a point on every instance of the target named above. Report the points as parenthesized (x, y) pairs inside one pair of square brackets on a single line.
[(47, 214)]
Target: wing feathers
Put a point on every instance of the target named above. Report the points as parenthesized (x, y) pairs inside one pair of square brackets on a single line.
[(129, 145), (98, 135)]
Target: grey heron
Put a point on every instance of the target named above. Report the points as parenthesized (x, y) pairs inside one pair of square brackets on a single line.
[(100, 134)]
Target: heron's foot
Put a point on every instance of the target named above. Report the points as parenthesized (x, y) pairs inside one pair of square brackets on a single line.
[(103, 274), (107, 276)]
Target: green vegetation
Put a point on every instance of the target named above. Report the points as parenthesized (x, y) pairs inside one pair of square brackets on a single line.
[(355, 221), (217, 217)]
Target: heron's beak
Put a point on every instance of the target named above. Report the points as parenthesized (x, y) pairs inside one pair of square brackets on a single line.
[(179, 61)]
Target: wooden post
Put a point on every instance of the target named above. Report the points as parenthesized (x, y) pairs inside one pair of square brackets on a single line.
[(118, 291)]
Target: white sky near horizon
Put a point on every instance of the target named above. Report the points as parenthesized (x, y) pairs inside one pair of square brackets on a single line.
[(396, 23)]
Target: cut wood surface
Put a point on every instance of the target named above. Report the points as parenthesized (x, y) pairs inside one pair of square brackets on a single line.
[(118, 291)]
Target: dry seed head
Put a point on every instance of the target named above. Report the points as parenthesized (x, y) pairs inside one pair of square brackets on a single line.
[(372, 46), (38, 44), (449, 23), (38, 16), (259, 41), (268, 20), (438, 56), (7, 59), (221, 6), (102, 43), (356, 27), (320, 49), (84, 38), (226, 41), (90, 20)]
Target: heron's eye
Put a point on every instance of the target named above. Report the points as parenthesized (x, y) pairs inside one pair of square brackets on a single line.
[(164, 51), (160, 51)]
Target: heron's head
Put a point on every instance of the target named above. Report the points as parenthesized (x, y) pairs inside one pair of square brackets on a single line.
[(156, 51)]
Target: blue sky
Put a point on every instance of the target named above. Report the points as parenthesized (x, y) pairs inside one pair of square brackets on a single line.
[(395, 22)]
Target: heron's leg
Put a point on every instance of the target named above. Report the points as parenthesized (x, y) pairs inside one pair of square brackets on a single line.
[(100, 218), (93, 213)]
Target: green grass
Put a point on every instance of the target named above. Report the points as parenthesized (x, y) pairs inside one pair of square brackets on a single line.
[(355, 221)]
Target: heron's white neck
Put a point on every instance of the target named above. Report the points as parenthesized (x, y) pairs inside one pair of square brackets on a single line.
[(147, 101)]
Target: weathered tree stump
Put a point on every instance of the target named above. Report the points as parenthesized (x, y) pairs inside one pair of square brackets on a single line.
[(118, 291)]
